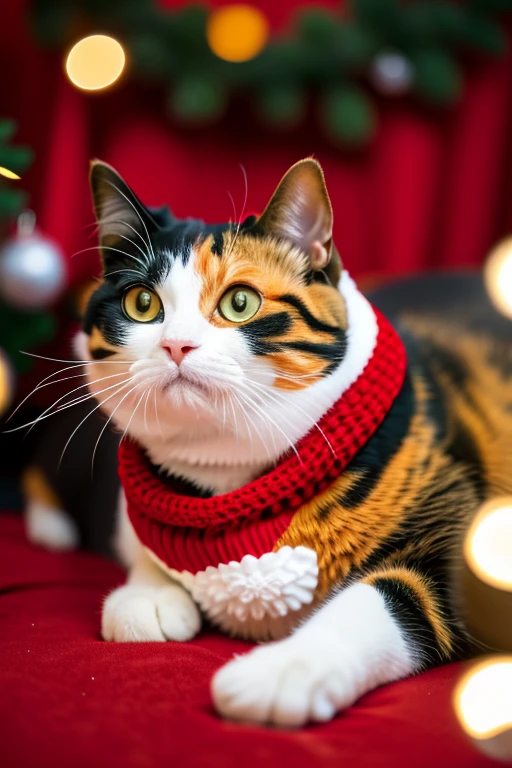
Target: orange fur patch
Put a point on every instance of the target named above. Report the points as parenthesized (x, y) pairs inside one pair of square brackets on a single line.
[(345, 536), (36, 487), (273, 269)]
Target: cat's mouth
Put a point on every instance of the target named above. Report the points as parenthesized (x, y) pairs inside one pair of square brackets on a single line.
[(181, 382)]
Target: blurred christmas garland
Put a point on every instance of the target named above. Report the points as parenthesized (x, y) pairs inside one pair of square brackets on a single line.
[(395, 46)]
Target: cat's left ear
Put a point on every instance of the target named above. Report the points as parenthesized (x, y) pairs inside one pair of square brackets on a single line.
[(300, 211), (119, 212)]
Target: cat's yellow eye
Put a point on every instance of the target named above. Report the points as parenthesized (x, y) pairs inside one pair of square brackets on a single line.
[(239, 304), (141, 304)]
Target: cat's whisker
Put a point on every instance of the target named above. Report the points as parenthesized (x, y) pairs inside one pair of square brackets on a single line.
[(47, 415), (223, 411), (129, 240), (76, 401), (156, 415), (48, 384), (148, 243), (111, 248), (146, 408), (82, 386), (251, 421), (235, 217), (265, 415), (121, 271), (110, 418), (244, 172), (120, 386), (235, 421), (132, 415), (42, 384), (273, 395), (234, 239), (75, 362), (249, 402), (109, 220)]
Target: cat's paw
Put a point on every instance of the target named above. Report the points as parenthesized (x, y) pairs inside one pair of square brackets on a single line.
[(287, 684), (50, 527), (149, 614)]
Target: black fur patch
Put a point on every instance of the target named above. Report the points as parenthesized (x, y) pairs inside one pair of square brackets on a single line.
[(313, 322), (264, 327), (403, 604), (101, 353), (374, 457), (218, 244)]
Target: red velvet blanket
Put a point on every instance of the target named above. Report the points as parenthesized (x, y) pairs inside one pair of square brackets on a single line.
[(70, 699)]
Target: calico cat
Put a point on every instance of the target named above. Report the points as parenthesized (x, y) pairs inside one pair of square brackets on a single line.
[(295, 470)]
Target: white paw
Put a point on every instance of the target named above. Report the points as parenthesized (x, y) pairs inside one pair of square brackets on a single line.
[(50, 527), (149, 614), (287, 683)]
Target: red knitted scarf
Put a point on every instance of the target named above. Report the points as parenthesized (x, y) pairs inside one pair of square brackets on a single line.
[(188, 533)]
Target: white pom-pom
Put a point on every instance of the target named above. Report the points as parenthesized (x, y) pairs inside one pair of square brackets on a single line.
[(269, 586)]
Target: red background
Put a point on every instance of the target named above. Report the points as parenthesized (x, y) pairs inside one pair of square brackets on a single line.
[(433, 189)]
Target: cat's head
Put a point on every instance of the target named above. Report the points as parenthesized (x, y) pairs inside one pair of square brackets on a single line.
[(211, 335)]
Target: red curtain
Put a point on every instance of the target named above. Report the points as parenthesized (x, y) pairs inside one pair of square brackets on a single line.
[(434, 188)]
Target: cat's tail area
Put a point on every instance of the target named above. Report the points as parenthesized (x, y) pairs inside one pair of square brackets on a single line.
[(126, 544), (46, 523)]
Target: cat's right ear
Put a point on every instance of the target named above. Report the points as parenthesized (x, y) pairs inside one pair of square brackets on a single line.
[(120, 215)]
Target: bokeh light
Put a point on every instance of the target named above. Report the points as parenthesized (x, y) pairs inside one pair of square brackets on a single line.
[(237, 32), (498, 277), (483, 706), (488, 545), (95, 62), (8, 174)]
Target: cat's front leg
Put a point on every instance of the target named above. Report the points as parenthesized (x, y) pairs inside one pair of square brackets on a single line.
[(149, 608), (351, 645)]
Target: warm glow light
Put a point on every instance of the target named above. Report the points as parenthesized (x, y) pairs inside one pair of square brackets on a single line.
[(498, 276), (95, 62), (8, 174), (488, 545), (237, 32), (483, 698)]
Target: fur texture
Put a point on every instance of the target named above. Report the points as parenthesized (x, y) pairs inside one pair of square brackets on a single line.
[(216, 400)]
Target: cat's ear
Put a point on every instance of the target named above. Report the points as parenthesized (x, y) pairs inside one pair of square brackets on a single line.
[(120, 214), (300, 211)]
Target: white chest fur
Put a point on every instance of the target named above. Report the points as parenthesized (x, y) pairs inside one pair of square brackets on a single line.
[(257, 598)]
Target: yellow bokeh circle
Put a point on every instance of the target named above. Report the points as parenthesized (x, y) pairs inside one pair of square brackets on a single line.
[(488, 544), (95, 62), (237, 32), (498, 276), (482, 699)]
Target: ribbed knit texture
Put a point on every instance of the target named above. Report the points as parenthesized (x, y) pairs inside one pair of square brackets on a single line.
[(188, 533)]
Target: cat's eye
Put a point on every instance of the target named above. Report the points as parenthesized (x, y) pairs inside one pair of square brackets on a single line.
[(141, 304), (239, 304)]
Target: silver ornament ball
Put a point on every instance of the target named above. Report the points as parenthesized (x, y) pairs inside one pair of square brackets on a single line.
[(392, 73), (32, 269)]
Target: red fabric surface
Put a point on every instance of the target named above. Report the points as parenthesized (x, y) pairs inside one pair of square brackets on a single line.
[(189, 533), (69, 699)]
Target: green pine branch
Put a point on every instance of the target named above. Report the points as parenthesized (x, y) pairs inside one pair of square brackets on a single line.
[(326, 53), (16, 159)]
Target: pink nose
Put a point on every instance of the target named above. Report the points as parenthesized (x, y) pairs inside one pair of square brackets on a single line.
[(177, 350)]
